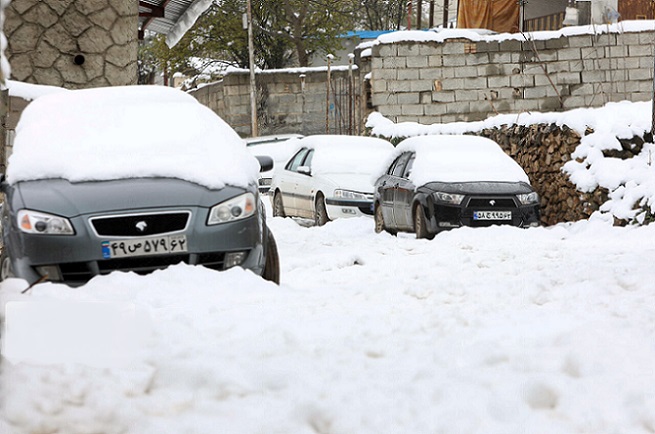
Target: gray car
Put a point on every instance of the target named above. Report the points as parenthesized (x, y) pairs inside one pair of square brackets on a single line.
[(70, 231)]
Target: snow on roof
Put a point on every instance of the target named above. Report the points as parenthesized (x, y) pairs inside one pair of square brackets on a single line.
[(347, 154), (459, 158), (127, 132)]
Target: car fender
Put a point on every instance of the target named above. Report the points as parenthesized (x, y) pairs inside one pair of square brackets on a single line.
[(425, 200)]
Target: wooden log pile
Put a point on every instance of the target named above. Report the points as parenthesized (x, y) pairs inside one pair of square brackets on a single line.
[(542, 151)]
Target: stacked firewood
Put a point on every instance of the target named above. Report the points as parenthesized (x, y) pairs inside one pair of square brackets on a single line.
[(542, 151)]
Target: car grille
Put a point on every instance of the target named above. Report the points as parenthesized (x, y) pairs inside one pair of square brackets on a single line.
[(138, 225), (491, 203), (81, 272)]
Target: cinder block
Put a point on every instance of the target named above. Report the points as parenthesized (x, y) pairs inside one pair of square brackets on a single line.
[(429, 74), (639, 74), (436, 109), (452, 84), (408, 49), (453, 60), (421, 85), (627, 39), (567, 78), (572, 102), (398, 86), (569, 54), (477, 59), (580, 41), (435, 61), (430, 49), (408, 98), (534, 92), (408, 74), (467, 71), (500, 57), (411, 109), (498, 81), (443, 96), (453, 47), (467, 95), (417, 61), (640, 50), (475, 83), (618, 51)]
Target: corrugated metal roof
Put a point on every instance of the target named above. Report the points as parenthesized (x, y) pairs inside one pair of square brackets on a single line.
[(179, 15)]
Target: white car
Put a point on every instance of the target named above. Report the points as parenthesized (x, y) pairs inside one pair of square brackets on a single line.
[(329, 177), (278, 146)]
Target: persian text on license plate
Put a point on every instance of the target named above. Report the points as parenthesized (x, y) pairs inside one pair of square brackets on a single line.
[(144, 246), (492, 215)]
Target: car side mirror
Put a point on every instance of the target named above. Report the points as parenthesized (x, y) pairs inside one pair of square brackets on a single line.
[(305, 170), (265, 163)]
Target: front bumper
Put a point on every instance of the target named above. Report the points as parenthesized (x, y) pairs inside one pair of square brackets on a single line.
[(77, 258), (339, 208), (442, 216)]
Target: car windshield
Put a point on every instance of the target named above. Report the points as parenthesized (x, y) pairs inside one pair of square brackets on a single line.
[(128, 132)]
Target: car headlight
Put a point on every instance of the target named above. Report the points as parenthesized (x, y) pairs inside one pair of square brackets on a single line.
[(33, 222), (451, 198), (236, 208), (347, 194), (528, 198)]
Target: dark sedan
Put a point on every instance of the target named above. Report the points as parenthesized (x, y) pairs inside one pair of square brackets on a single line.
[(435, 183)]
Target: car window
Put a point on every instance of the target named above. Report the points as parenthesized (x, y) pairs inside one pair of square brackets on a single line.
[(400, 165), (410, 164), (297, 159), (308, 159), (393, 166)]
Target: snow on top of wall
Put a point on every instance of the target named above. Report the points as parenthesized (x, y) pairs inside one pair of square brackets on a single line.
[(482, 35)]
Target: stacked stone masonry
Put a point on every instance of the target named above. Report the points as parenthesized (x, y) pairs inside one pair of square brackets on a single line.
[(73, 44)]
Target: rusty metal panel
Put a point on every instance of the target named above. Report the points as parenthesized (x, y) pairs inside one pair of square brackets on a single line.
[(636, 9)]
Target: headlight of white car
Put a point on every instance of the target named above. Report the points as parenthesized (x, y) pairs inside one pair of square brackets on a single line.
[(236, 208), (528, 198), (353, 195), (33, 222), (450, 198)]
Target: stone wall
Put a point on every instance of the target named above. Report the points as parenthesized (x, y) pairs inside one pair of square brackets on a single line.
[(73, 43), (288, 101), (462, 80)]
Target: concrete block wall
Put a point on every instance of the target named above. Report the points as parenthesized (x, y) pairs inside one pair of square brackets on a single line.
[(462, 80), (73, 43), (287, 101)]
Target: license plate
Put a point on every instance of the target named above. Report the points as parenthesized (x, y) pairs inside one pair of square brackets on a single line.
[(144, 246), (492, 215)]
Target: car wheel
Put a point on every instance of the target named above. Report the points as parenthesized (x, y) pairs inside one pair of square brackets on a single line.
[(272, 265), (420, 223), (5, 266), (278, 206), (320, 212), (379, 222)]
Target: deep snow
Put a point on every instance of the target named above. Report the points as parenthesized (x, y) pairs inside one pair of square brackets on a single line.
[(494, 330)]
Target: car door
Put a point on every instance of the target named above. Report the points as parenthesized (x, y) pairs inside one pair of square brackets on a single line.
[(388, 192), (305, 187), (404, 196), (289, 182)]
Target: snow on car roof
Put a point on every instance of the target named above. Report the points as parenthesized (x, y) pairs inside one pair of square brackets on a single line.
[(128, 132), (347, 154), (459, 158)]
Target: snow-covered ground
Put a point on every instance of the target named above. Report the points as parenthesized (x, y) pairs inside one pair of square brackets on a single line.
[(495, 330)]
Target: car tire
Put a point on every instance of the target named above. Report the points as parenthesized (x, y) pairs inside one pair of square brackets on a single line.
[(5, 266), (278, 206), (420, 223), (379, 222), (272, 264), (320, 211)]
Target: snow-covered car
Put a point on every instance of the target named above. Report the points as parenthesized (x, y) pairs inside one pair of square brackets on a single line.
[(279, 147), (329, 177), (434, 183), (132, 178)]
